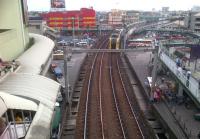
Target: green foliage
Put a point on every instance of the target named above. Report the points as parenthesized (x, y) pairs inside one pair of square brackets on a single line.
[(179, 54)]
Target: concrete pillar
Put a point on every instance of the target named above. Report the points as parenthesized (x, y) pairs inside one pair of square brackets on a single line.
[(180, 90), (154, 72)]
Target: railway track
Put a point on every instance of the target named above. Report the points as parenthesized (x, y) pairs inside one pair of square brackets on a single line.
[(105, 111), (128, 122)]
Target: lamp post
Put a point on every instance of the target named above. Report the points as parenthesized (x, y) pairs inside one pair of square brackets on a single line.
[(66, 77), (124, 33), (73, 31)]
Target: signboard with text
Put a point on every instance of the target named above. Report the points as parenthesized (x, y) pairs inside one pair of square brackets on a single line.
[(57, 4)]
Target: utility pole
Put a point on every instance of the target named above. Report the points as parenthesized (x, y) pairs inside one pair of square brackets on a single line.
[(124, 33), (66, 78), (124, 38), (73, 30)]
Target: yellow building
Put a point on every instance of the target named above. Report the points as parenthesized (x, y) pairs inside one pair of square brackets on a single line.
[(14, 38)]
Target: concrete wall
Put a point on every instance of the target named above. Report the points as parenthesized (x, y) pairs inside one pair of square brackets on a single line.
[(14, 41)]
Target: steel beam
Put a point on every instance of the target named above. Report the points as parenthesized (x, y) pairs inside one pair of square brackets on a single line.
[(111, 50)]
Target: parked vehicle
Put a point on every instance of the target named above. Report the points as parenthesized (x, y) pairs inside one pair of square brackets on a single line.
[(82, 43), (63, 43), (58, 72)]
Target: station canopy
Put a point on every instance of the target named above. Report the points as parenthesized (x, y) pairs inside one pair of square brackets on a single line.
[(34, 87), (39, 89), (15, 102), (35, 57)]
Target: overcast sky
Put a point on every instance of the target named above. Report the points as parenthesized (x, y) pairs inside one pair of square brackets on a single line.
[(106, 5)]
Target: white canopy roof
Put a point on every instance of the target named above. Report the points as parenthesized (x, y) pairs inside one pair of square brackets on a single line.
[(37, 55), (35, 87), (14, 102), (39, 89), (3, 107)]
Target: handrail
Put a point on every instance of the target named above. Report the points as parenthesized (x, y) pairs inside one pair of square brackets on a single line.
[(8, 130)]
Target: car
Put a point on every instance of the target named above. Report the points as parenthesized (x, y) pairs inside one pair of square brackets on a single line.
[(63, 43), (82, 43)]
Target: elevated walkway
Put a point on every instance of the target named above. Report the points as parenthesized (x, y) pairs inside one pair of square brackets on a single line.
[(139, 49), (140, 62), (191, 85), (37, 59)]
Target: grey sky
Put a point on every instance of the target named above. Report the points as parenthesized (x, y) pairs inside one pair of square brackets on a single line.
[(100, 5)]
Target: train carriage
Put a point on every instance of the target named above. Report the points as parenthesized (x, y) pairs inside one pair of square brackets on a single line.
[(115, 39)]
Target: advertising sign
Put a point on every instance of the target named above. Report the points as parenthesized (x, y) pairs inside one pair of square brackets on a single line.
[(57, 4), (195, 52)]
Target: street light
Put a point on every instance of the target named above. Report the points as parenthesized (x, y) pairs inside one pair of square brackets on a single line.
[(66, 76), (73, 31)]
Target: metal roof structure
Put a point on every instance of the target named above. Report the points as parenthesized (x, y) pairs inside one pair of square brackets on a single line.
[(35, 57), (15, 102), (33, 87), (39, 89), (197, 14), (3, 107)]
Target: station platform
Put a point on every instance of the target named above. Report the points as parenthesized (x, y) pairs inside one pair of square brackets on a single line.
[(73, 67), (177, 118)]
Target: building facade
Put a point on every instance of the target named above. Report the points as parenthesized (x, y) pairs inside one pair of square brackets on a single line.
[(192, 21), (120, 17), (115, 17), (85, 18), (131, 17), (14, 37)]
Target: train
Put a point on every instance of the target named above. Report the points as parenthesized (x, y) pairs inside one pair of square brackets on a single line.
[(115, 39)]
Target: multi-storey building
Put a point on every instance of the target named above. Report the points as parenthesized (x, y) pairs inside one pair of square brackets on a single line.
[(120, 17), (13, 29), (192, 21), (115, 17), (85, 18), (131, 17)]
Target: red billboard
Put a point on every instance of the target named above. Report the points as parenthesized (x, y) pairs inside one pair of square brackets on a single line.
[(57, 3)]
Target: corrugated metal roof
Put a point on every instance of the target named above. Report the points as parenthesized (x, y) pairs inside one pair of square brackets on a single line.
[(3, 107), (36, 87), (14, 102), (198, 14), (39, 88), (37, 55)]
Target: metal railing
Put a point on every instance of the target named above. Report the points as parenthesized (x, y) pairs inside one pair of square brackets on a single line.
[(15, 131), (191, 84)]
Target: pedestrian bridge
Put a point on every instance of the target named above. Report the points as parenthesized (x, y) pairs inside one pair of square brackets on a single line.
[(143, 49)]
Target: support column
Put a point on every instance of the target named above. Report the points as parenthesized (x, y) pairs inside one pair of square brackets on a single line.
[(180, 90), (154, 72)]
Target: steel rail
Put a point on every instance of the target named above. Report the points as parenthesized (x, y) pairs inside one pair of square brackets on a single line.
[(88, 91), (100, 98), (115, 100), (128, 100)]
